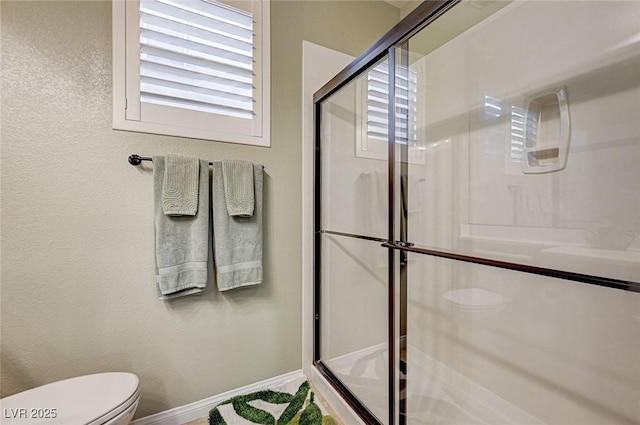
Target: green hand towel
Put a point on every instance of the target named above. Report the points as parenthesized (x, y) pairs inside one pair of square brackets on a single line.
[(180, 185), (237, 240), (182, 242), (238, 187)]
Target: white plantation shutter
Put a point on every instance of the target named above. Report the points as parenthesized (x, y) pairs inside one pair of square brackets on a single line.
[(406, 106), (378, 104), (196, 55), (522, 126), (372, 106), (195, 68)]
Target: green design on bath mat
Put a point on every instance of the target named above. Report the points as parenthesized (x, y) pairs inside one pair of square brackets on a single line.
[(296, 404), (262, 407), (311, 415)]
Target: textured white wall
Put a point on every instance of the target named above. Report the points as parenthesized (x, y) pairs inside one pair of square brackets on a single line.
[(77, 232)]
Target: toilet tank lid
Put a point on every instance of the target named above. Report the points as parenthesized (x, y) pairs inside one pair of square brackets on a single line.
[(79, 400)]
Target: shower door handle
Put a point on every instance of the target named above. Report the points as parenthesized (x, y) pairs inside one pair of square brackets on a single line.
[(399, 245), (547, 132), (403, 243)]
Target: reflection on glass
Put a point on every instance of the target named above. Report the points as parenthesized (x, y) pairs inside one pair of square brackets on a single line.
[(354, 156), (493, 346), (354, 272), (528, 151), (354, 318)]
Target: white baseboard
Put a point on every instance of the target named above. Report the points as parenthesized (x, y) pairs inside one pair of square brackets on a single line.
[(200, 409)]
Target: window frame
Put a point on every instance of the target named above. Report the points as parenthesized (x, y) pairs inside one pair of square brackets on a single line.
[(130, 115)]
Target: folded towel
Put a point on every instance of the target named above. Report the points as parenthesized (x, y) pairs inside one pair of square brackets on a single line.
[(180, 185), (237, 240), (182, 242), (238, 187)]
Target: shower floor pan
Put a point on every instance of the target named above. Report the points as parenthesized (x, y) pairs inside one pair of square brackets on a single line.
[(434, 393)]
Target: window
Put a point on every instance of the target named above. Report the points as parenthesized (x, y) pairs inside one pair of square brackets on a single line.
[(192, 68), (373, 103)]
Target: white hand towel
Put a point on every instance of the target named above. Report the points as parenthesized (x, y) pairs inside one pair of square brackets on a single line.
[(182, 242), (238, 187), (180, 185)]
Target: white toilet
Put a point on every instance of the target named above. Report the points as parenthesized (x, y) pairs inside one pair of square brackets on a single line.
[(100, 399)]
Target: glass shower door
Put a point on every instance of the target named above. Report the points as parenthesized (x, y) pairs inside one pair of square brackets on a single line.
[(522, 193), (352, 290)]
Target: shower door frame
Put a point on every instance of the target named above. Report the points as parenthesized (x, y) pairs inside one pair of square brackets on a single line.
[(425, 13), (390, 44)]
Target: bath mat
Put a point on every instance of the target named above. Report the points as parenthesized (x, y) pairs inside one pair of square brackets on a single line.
[(292, 403)]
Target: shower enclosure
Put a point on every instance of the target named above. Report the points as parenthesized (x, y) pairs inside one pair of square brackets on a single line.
[(477, 198)]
